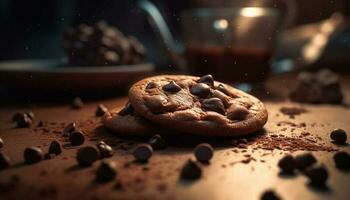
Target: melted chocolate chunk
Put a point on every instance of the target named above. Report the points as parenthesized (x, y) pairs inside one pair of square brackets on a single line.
[(127, 110), (237, 112), (172, 87), (214, 104), (33, 155), (200, 89), (151, 85), (223, 89), (87, 155), (207, 79)]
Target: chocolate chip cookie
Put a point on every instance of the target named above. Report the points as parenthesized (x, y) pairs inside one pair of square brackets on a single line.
[(128, 123), (197, 105)]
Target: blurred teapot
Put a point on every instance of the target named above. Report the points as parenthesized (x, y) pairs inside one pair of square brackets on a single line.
[(233, 44)]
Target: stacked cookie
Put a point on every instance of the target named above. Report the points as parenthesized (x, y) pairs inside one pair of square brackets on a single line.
[(187, 104)]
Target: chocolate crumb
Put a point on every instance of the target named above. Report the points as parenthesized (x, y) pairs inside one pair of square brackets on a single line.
[(204, 152)]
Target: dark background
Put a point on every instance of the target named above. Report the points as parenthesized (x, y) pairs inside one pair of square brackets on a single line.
[(32, 28)]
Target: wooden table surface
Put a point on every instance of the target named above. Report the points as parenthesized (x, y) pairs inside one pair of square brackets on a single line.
[(224, 178)]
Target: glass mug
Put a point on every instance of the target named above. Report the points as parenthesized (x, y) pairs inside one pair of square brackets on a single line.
[(233, 44)]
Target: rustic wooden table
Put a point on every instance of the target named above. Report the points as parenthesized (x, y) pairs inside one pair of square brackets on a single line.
[(226, 177)]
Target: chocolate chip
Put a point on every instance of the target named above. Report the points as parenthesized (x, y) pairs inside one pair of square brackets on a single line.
[(214, 104), (49, 156), (207, 79), (237, 112), (87, 155), (101, 110), (16, 116), (33, 155), (23, 120), (339, 136), (200, 89), (127, 110), (71, 127), (304, 160), (106, 151), (106, 171), (55, 148), (317, 175), (76, 138), (191, 171), (143, 152), (151, 85), (270, 195), (287, 164), (223, 89), (342, 160), (157, 142), (172, 87), (30, 115), (1, 143), (204, 152), (77, 103), (4, 161)]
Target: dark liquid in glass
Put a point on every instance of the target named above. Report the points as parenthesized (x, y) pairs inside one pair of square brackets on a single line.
[(232, 65)]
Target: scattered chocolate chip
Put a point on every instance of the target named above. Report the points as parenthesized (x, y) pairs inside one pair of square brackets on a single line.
[(151, 85), (106, 151), (127, 110), (342, 160), (33, 155), (143, 152), (317, 175), (77, 103), (157, 142), (207, 79), (204, 152), (171, 87), (55, 148), (339, 136), (4, 161), (1, 143), (76, 138), (71, 127), (270, 195), (200, 89), (223, 89), (237, 112), (191, 170), (23, 120), (49, 156), (87, 155), (101, 110), (287, 164), (106, 171), (30, 115), (214, 104), (16, 116), (304, 160)]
